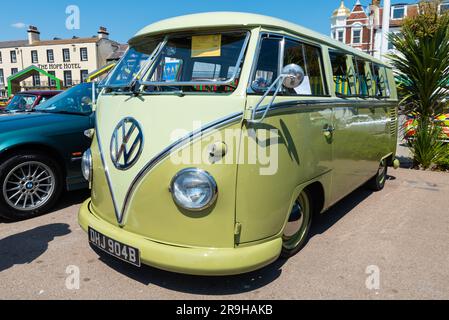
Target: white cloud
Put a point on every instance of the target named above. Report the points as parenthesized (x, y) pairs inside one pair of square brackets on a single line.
[(19, 25)]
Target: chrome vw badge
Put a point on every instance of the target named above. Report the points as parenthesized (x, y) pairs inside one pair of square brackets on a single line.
[(126, 144)]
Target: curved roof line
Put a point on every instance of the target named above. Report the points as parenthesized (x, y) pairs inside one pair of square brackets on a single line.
[(201, 21)]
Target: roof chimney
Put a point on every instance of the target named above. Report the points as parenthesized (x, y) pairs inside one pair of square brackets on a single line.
[(103, 33), (33, 35)]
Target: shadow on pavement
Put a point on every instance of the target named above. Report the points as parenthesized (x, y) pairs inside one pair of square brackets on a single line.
[(72, 198), (68, 199), (325, 221), (27, 246), (198, 285)]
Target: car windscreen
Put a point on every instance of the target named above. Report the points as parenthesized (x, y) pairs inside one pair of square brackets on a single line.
[(76, 100), (21, 103)]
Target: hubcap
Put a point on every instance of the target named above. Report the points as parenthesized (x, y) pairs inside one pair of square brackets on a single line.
[(382, 172), (29, 186), (297, 224)]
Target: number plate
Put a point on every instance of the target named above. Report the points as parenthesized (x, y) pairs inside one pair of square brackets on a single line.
[(115, 248)]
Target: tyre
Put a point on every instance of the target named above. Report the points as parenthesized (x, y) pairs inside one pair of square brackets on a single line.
[(31, 183), (377, 183), (296, 231)]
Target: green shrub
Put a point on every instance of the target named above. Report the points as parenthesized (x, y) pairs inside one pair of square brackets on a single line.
[(426, 146)]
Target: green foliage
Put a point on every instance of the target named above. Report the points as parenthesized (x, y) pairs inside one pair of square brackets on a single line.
[(426, 145), (422, 63)]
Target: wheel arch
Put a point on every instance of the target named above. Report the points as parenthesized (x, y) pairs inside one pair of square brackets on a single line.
[(38, 148), (317, 195)]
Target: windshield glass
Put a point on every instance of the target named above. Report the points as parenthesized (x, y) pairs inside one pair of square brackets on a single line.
[(21, 103), (76, 100), (130, 66), (191, 59)]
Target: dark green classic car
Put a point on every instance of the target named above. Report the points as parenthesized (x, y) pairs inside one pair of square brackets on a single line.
[(41, 151)]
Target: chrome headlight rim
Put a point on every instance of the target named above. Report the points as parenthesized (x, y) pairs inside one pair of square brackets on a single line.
[(199, 172), (86, 165)]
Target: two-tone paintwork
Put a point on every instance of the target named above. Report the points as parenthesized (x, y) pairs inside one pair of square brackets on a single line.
[(242, 230)]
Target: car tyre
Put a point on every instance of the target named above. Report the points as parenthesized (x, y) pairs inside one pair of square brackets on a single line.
[(377, 183), (30, 184)]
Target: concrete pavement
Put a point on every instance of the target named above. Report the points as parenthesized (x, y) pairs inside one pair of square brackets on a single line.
[(396, 241)]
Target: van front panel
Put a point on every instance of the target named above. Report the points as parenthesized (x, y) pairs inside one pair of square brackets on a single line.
[(142, 200)]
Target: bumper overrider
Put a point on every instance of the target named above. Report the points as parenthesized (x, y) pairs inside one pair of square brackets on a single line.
[(187, 260)]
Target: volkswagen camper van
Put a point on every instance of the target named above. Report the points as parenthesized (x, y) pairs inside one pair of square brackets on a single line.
[(220, 135)]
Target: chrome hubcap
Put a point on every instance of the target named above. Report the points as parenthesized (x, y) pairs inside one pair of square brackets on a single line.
[(382, 172), (295, 222), (29, 186)]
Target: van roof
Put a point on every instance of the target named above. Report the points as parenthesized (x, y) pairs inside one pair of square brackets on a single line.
[(201, 21)]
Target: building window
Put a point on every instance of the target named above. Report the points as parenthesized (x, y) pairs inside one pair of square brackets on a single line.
[(14, 70), (51, 82), (13, 56), (68, 78), (50, 56), (2, 77), (34, 57), (398, 12), (341, 34), (1, 59), (356, 36), (36, 80), (66, 55), (83, 53), (84, 75), (444, 8)]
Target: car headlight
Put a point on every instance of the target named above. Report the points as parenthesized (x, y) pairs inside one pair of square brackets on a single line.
[(194, 189), (86, 165)]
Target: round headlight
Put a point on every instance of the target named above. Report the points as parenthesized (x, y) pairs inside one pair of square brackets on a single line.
[(194, 189), (86, 165)]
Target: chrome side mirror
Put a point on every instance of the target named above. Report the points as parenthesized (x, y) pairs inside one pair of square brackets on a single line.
[(293, 76)]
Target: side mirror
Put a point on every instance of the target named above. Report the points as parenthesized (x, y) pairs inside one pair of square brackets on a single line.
[(293, 76)]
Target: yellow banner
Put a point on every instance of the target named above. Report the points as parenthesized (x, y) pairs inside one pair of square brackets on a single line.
[(206, 46)]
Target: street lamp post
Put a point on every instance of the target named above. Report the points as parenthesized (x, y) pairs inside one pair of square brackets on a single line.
[(385, 28)]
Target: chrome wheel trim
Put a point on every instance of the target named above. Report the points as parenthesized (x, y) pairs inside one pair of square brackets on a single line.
[(295, 230), (381, 175), (29, 186)]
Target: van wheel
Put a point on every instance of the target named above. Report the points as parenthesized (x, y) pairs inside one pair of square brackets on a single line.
[(377, 183), (30, 185), (296, 231)]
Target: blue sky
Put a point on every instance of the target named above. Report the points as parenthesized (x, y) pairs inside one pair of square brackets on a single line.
[(123, 19)]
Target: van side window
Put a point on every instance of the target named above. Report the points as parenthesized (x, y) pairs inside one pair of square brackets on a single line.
[(340, 73), (362, 78), (380, 81), (267, 69), (309, 58)]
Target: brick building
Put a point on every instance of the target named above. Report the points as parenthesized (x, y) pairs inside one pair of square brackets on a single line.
[(361, 26)]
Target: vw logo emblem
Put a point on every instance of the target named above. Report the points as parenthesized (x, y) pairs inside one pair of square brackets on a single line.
[(126, 144)]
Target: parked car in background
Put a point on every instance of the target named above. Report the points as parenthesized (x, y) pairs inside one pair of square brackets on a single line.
[(441, 120), (28, 100), (40, 152), (3, 103)]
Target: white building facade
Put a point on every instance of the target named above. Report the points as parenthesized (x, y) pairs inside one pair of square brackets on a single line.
[(70, 60)]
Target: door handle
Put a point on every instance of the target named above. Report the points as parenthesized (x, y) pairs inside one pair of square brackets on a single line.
[(328, 131)]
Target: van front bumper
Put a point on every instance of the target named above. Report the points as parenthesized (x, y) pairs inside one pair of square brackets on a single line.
[(195, 261)]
